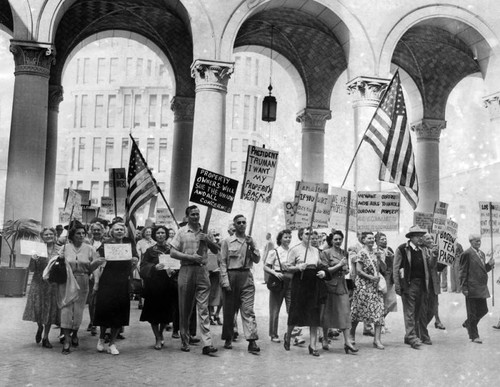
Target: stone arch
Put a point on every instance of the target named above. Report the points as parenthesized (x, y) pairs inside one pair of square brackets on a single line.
[(18, 20)]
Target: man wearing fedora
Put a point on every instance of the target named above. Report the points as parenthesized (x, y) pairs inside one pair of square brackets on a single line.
[(411, 279), (474, 281)]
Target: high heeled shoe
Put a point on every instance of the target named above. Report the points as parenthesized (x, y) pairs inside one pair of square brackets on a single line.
[(74, 341), (286, 342), (38, 336), (378, 346), (348, 348), (313, 352), (46, 343)]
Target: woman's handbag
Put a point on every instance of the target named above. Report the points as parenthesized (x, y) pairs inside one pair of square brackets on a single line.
[(57, 272), (273, 283), (350, 284), (382, 284)]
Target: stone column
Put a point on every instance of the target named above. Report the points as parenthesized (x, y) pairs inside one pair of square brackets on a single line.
[(428, 132), (313, 143), (55, 98), (209, 131), (183, 108), (25, 186), (366, 93)]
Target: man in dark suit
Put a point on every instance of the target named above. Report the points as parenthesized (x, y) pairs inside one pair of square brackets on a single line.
[(474, 281), (411, 280)]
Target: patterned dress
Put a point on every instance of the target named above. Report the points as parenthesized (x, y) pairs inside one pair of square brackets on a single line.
[(41, 304), (368, 301)]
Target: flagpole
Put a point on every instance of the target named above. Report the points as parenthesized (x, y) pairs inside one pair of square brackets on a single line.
[(493, 256), (310, 231), (366, 130)]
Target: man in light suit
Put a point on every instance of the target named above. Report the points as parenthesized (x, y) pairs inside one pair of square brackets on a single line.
[(474, 281), (411, 280)]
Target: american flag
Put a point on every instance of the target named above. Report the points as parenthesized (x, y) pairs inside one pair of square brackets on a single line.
[(141, 187), (390, 138)]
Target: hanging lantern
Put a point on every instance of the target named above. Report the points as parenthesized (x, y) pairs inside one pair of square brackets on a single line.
[(269, 106)]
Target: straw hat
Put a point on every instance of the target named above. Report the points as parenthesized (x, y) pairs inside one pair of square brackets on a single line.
[(416, 231)]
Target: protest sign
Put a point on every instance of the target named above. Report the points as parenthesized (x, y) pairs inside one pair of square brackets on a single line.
[(260, 172), (447, 242), (118, 189), (107, 206), (213, 190), (303, 186), (487, 210), (423, 220), (169, 262), (117, 251), (308, 201), (378, 211), (164, 217), (73, 204), (289, 215), (33, 247), (439, 217), (339, 209)]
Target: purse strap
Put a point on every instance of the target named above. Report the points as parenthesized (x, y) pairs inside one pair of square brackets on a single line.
[(278, 256), (374, 268)]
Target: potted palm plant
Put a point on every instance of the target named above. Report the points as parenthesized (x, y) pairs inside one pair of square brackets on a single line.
[(13, 280)]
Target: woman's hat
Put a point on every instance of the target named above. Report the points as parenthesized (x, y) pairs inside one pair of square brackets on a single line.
[(416, 231)]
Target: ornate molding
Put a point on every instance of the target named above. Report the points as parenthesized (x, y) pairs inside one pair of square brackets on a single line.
[(428, 129), (56, 93), (492, 103), (183, 108), (367, 91), (211, 75), (313, 119), (32, 59), (253, 3)]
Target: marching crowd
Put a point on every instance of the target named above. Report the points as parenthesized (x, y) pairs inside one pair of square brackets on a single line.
[(324, 287)]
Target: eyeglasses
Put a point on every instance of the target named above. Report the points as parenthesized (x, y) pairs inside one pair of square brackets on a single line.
[(241, 222)]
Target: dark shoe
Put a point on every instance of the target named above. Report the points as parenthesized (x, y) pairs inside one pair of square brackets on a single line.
[(235, 336), (65, 351), (313, 352), (89, 328), (175, 335), (464, 324), (212, 322), (93, 331), (333, 333), (208, 350), (46, 343), (477, 340), (38, 336), (298, 341), (185, 348), (439, 326), (120, 337), (496, 326), (286, 342), (427, 342), (217, 320), (378, 345), (253, 347), (74, 341), (325, 345), (107, 338), (193, 340), (348, 348), (228, 345), (415, 345)]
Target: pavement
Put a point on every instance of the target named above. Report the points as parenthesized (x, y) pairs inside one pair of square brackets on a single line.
[(452, 360)]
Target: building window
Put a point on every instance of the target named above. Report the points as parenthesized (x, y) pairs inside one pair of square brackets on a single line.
[(127, 104), (101, 69), (125, 156), (108, 157), (255, 113), (236, 112), (86, 69), (79, 184), (244, 145), (148, 67), (111, 116), (137, 110), (162, 69), (162, 156), (81, 153), (75, 113), (150, 150), (113, 69), (256, 73), (128, 69), (234, 167), (254, 143), (78, 65), (94, 192), (99, 111), (73, 151), (248, 70), (164, 110), (71, 184), (105, 189), (234, 145), (152, 111), (84, 110), (96, 154), (138, 67), (246, 113)]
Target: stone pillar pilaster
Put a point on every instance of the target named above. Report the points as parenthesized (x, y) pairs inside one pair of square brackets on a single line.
[(209, 129), (492, 103), (183, 108), (313, 143), (55, 98), (25, 186), (366, 93), (428, 132)]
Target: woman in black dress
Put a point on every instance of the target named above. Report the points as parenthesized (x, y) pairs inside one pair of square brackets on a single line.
[(112, 309), (159, 287)]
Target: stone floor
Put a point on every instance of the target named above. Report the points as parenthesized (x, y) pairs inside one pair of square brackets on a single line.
[(452, 359)]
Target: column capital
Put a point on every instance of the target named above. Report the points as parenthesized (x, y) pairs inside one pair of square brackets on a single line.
[(183, 108), (56, 93), (211, 75), (32, 57), (367, 91), (313, 119), (492, 103), (428, 129)]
